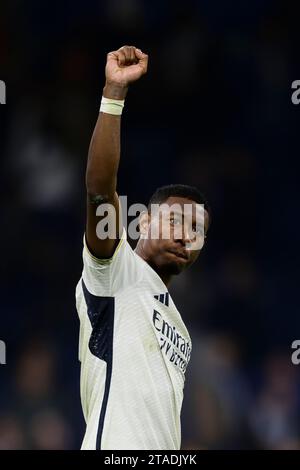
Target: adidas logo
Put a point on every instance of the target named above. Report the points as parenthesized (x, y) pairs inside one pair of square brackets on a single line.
[(163, 298)]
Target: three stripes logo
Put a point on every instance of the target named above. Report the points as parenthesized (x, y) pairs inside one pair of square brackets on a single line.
[(163, 298)]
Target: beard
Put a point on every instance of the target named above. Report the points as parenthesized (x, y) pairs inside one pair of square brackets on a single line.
[(171, 268)]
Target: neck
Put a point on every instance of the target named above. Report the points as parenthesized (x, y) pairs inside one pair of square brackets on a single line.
[(140, 250)]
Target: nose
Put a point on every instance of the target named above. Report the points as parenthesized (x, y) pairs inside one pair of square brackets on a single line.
[(191, 240), (188, 235), (185, 235)]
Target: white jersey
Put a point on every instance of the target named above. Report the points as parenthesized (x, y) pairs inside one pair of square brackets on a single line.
[(134, 349)]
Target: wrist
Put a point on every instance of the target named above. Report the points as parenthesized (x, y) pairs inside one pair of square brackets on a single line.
[(115, 91)]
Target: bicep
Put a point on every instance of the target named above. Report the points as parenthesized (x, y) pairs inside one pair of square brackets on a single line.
[(103, 216)]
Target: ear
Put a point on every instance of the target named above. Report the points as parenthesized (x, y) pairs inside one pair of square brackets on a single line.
[(144, 222), (207, 221)]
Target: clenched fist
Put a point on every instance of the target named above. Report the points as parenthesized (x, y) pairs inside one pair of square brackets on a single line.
[(124, 66)]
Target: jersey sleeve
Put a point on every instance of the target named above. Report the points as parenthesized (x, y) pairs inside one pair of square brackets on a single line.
[(105, 277)]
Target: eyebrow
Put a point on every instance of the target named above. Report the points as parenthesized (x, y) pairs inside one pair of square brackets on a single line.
[(181, 214)]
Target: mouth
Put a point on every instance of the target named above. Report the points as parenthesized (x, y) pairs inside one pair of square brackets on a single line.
[(180, 254)]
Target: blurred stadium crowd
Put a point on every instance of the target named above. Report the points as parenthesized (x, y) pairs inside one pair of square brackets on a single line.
[(214, 111)]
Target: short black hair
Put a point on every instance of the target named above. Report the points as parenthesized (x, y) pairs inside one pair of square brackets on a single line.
[(180, 190)]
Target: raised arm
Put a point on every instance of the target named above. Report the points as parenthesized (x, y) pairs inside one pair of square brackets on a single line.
[(124, 66)]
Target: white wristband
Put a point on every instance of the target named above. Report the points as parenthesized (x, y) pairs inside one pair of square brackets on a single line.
[(109, 106)]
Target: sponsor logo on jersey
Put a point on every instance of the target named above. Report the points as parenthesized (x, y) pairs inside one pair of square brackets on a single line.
[(172, 344)]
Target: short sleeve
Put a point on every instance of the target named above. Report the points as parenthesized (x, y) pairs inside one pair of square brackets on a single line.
[(105, 277)]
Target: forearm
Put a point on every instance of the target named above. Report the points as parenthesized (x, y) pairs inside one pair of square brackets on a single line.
[(123, 67), (104, 151)]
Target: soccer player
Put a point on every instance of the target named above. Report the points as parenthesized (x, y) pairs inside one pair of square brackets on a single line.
[(134, 347)]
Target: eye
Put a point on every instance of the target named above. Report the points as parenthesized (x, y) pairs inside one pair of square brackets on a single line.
[(196, 228), (175, 220)]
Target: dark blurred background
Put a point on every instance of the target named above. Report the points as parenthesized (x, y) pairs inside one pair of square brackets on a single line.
[(214, 111)]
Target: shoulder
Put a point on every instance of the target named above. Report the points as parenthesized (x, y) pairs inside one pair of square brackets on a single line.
[(109, 276)]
